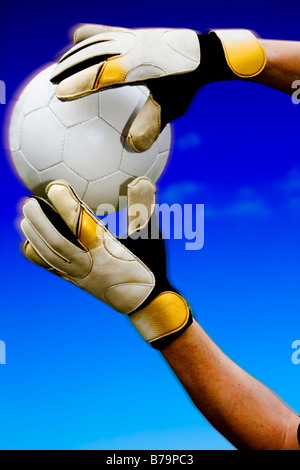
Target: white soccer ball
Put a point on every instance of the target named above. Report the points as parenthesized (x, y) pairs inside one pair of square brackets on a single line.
[(82, 141)]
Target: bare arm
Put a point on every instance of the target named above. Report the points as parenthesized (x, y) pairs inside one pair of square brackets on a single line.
[(244, 410), (283, 65)]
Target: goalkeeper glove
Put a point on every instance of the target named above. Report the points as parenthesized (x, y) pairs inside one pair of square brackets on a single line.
[(129, 275), (173, 63)]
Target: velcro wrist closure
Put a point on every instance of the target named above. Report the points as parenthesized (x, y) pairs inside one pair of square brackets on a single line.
[(244, 54), (163, 319)]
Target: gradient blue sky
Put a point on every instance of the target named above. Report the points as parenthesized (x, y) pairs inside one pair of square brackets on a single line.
[(77, 375)]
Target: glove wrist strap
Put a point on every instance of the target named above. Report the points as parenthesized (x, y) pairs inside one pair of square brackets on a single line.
[(163, 319), (244, 54), (230, 55)]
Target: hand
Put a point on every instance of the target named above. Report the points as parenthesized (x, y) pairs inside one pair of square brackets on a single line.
[(129, 275), (105, 57), (173, 63)]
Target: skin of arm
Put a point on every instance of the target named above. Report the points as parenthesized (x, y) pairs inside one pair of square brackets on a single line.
[(282, 67), (241, 408)]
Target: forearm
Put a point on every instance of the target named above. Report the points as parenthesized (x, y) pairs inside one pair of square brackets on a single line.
[(246, 412), (283, 65)]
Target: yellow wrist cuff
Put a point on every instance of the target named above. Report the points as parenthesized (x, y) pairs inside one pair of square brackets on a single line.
[(166, 315), (244, 54)]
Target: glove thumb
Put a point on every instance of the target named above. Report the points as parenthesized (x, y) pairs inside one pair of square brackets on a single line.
[(146, 127), (141, 203)]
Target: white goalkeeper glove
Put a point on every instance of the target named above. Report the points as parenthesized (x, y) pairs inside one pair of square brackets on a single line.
[(127, 274), (173, 63)]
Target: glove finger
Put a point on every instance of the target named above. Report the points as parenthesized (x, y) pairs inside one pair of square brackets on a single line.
[(78, 85), (44, 234), (92, 51), (81, 221), (50, 257), (92, 79), (146, 127), (33, 256), (85, 31)]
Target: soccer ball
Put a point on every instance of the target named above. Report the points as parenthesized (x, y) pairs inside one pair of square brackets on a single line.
[(82, 142)]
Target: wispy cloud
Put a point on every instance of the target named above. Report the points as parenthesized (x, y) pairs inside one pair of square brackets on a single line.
[(244, 202), (291, 183), (187, 437), (289, 191), (272, 198), (189, 141), (239, 208), (180, 191)]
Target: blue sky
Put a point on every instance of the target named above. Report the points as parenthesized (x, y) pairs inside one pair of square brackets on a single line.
[(77, 374)]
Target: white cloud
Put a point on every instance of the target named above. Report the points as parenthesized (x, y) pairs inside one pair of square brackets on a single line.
[(188, 437), (291, 182), (189, 141), (177, 192)]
